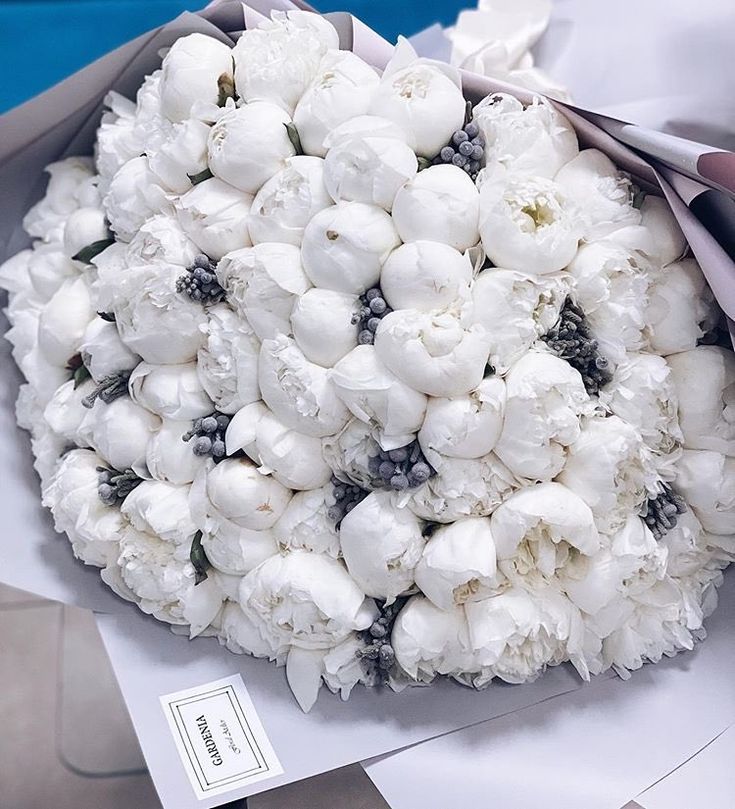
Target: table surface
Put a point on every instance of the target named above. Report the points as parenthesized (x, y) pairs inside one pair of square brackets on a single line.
[(43, 41)]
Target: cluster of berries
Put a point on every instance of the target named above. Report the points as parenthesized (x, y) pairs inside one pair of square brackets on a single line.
[(662, 512), (378, 654), (373, 308), (209, 434), (200, 281), (113, 487), (400, 469), (465, 150)]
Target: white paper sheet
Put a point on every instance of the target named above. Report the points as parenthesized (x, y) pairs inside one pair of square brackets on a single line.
[(597, 748)]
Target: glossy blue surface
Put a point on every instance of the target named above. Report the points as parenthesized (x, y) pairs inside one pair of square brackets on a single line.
[(43, 41)]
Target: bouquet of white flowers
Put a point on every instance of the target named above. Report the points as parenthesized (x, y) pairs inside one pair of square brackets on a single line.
[(369, 380)]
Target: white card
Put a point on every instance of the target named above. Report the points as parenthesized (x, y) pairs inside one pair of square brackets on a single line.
[(219, 736)]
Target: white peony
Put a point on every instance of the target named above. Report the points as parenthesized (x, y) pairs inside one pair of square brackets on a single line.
[(342, 88), (545, 399), (344, 246), (161, 509), (181, 156), (263, 283), (703, 382), (277, 60), (516, 309), (609, 468), (464, 426), (382, 545), (441, 204), (529, 224), (120, 432), (377, 397), (306, 523), (299, 392), (249, 144), (63, 321), (681, 308), (348, 453), (82, 228), (214, 215), (116, 136), (134, 195), (658, 236), (706, 480), (235, 550), (71, 495), (458, 563), (170, 391), (433, 352), (193, 70), (48, 268), (103, 352), (535, 140), (287, 202), (239, 633), (65, 413), (368, 160), (227, 362), (168, 457), (160, 240), (154, 320), (303, 599), (426, 275), (323, 327)]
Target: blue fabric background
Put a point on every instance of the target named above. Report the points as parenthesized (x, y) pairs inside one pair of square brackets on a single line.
[(43, 41)]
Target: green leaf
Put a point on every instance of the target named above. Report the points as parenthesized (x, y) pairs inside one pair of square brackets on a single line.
[(81, 375), (201, 177), (293, 136), (424, 163), (86, 254), (199, 559)]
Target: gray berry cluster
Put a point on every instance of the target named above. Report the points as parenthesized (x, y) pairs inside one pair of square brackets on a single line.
[(113, 486), (571, 340), (465, 150), (208, 433), (373, 308), (377, 654), (200, 281), (400, 469), (347, 496), (662, 512), (110, 387)]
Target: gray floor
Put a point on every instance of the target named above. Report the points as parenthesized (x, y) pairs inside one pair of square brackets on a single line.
[(67, 739)]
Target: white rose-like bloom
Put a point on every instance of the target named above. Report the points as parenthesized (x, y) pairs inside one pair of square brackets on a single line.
[(154, 320), (681, 308), (368, 160), (263, 283), (170, 391), (168, 457), (134, 195), (294, 459), (382, 545), (529, 224), (465, 426), (423, 97), (120, 432), (103, 352), (236, 550), (322, 325), (181, 156), (536, 140), (306, 523), (249, 144), (441, 204), (344, 246), (458, 563), (299, 392), (377, 397), (704, 384), (611, 286), (191, 72), (240, 493), (65, 413), (164, 584), (343, 88), (161, 240), (516, 309), (348, 453), (463, 487), (517, 634), (82, 228), (214, 215), (545, 398), (304, 599), (430, 641), (162, 509), (278, 60), (706, 480), (643, 392), (71, 495), (287, 202), (433, 352), (609, 468), (63, 321), (426, 275), (602, 193), (227, 362)]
